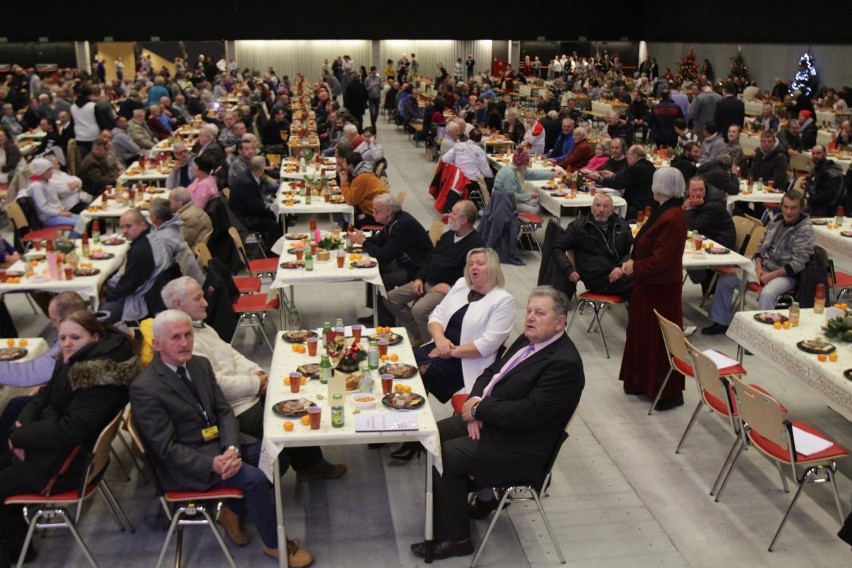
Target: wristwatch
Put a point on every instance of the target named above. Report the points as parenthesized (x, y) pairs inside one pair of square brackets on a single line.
[(236, 450), (473, 409)]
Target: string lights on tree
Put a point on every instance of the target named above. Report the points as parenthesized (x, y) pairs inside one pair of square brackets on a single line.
[(806, 77)]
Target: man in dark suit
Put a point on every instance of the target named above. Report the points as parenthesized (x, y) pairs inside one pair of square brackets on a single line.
[(634, 181), (192, 434), (510, 423), (730, 110), (249, 206)]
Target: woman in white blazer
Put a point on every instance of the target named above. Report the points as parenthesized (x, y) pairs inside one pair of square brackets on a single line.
[(467, 328)]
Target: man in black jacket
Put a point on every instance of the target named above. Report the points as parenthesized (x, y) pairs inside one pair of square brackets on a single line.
[(402, 247), (634, 182), (687, 161), (436, 277), (600, 242), (249, 206), (721, 180), (708, 217), (824, 185), (730, 110), (661, 120), (127, 288), (355, 99)]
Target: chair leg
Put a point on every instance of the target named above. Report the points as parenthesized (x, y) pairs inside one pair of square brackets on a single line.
[(179, 547), (730, 471), (172, 526), (736, 444), (660, 392), (117, 511), (32, 522), (136, 465), (547, 524), (123, 467), (706, 295), (802, 483), (218, 536), (599, 313), (491, 525), (836, 494), (580, 305), (783, 477), (691, 423)]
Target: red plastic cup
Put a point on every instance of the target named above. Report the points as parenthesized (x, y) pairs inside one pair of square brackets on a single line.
[(313, 225), (314, 249), (315, 415), (383, 347), (2, 275), (69, 273), (387, 383), (312, 346), (341, 259), (295, 381), (299, 253), (357, 329)]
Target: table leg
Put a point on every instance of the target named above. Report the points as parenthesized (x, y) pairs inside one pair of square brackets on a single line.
[(279, 516), (375, 306), (743, 282), (428, 529), (282, 317)]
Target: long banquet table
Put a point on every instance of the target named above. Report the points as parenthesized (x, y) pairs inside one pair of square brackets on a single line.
[(275, 438), (551, 200), (834, 241), (777, 348)]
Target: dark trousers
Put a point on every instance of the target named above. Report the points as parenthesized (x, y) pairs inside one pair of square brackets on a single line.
[(10, 416), (373, 105), (257, 502), (458, 451), (7, 324), (251, 423), (392, 278)]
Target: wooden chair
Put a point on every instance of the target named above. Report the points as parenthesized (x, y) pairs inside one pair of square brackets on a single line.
[(244, 284), (767, 429), (183, 508), (22, 228), (73, 159), (679, 358), (51, 511), (744, 228), (599, 304), (259, 267), (435, 231)]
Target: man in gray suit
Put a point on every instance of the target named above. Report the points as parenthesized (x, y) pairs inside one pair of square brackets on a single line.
[(192, 433)]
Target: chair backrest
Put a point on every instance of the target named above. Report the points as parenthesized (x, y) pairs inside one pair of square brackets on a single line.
[(204, 236), (16, 215), (435, 231), (226, 193), (385, 183), (241, 248), (100, 453), (483, 190), (744, 228), (20, 181), (801, 163), (762, 413), (563, 436), (400, 197), (706, 373), (139, 441), (673, 337), (754, 221), (381, 166), (202, 254), (754, 241)]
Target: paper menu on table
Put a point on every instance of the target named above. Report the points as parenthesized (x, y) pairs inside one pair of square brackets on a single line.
[(720, 359), (807, 444), (385, 422), (337, 385)]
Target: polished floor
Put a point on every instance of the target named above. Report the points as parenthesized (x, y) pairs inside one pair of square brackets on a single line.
[(620, 497)]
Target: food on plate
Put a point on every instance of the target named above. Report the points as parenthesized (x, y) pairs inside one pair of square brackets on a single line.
[(12, 353), (404, 400), (353, 381)]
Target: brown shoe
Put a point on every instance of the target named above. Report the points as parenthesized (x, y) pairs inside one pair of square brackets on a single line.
[(322, 470), (297, 555), (233, 526)]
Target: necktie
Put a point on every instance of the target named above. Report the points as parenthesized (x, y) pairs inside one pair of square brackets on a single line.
[(181, 371), (506, 368)]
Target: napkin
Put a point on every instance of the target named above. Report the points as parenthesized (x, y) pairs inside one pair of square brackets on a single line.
[(807, 444), (385, 422)]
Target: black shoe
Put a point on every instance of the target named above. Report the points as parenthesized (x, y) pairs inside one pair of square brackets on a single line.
[(375, 446), (480, 509), (668, 404), (366, 320), (407, 451), (442, 549), (715, 329)]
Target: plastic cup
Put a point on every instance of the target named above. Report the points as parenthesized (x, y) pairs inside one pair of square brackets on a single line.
[(69, 273), (698, 241), (313, 225), (312, 346), (387, 383), (326, 197), (357, 329), (295, 381), (383, 347), (299, 253), (315, 414), (37, 245), (341, 259), (592, 191), (2, 275), (314, 249)]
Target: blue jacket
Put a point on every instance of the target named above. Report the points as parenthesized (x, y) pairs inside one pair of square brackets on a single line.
[(562, 147)]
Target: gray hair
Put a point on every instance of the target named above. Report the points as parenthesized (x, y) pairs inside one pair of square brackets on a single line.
[(139, 113), (167, 318), (668, 181), (181, 194), (513, 112), (350, 129), (257, 164), (725, 161), (388, 201), (580, 133), (176, 289), (160, 209), (468, 209), (210, 129), (492, 260), (560, 300)]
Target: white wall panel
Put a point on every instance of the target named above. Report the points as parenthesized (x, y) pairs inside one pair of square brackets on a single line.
[(289, 57), (431, 52), (765, 61)]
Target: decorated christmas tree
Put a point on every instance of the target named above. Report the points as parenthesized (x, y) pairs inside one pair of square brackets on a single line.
[(739, 69), (688, 67), (806, 77)]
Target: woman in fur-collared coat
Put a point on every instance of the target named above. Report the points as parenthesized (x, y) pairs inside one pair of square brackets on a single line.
[(56, 431)]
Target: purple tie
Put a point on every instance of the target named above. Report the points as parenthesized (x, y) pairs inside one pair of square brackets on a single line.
[(505, 370)]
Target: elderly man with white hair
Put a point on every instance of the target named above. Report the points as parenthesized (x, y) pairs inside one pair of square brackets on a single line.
[(196, 222), (208, 146), (139, 130), (469, 157), (49, 207)]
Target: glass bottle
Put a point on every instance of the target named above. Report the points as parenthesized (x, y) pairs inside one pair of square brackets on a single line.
[(96, 231), (838, 219), (309, 260), (86, 251), (325, 369), (338, 418), (373, 355), (294, 318), (819, 299), (308, 196), (326, 334), (794, 314), (339, 328)]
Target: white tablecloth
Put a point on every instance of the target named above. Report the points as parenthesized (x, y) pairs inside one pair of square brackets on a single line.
[(753, 197), (86, 286), (833, 242), (777, 347), (112, 212), (35, 346), (555, 205), (152, 176)]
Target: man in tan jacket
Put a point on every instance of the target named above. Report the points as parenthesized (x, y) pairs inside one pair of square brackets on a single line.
[(195, 221)]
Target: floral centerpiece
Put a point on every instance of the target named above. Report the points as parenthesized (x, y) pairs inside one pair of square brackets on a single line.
[(347, 356), (840, 327), (330, 242)]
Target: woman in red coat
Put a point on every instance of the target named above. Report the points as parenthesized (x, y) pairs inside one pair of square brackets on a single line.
[(657, 269)]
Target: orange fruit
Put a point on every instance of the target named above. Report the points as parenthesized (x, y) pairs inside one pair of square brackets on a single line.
[(286, 381), (399, 388), (288, 426), (304, 380), (394, 357), (305, 420), (10, 342), (832, 356), (777, 325), (406, 388), (22, 343), (384, 358), (822, 357), (786, 325), (295, 348)]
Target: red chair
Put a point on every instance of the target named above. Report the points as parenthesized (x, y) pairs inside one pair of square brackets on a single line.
[(252, 310), (768, 430), (258, 268), (679, 357), (530, 223), (51, 512), (244, 284), (183, 508), (22, 226), (599, 303)]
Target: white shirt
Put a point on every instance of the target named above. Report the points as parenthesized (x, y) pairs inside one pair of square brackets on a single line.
[(470, 158)]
